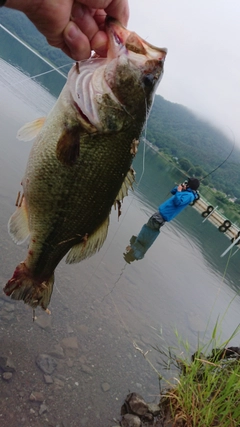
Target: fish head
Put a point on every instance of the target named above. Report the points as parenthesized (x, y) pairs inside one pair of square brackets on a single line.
[(136, 65), (116, 92)]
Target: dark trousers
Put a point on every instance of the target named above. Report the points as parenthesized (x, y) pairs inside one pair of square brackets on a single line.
[(156, 221)]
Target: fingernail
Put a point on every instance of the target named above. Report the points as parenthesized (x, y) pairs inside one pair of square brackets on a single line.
[(72, 31)]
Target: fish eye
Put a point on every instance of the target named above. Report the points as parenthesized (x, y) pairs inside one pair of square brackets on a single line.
[(148, 80)]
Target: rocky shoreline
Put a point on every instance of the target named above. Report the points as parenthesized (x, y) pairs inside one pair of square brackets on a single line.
[(51, 377), (54, 373)]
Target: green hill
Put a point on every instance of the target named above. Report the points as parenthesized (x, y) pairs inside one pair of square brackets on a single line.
[(176, 131)]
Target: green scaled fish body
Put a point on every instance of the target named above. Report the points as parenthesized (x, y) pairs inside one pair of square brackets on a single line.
[(80, 163)]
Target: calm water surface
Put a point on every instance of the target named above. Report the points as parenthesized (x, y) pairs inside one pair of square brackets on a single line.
[(103, 305)]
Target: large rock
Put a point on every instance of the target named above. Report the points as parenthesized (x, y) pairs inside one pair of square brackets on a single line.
[(57, 352), (135, 404), (105, 387), (36, 396), (70, 346), (137, 412), (154, 409), (46, 363), (130, 420), (6, 364), (7, 376)]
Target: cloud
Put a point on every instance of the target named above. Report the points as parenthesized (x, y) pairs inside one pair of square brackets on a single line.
[(202, 68)]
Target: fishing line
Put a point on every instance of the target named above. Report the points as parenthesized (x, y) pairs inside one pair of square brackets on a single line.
[(107, 249), (143, 159), (219, 290), (201, 179), (42, 74), (137, 185), (114, 285), (118, 228), (144, 147), (110, 243), (32, 50)]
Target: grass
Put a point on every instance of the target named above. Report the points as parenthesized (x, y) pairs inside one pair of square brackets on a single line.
[(206, 392)]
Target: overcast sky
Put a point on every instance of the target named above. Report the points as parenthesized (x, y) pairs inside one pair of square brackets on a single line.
[(202, 67)]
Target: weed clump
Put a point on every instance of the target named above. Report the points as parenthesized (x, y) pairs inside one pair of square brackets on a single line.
[(206, 393)]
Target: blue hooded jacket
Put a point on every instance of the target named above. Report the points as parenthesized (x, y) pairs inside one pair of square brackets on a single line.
[(179, 201)]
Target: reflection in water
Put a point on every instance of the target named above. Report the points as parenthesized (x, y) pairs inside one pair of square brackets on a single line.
[(182, 196), (141, 243)]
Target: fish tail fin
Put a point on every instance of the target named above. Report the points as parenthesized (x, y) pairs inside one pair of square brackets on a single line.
[(23, 287)]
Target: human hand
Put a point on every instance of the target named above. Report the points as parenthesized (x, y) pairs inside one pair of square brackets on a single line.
[(179, 187), (75, 26)]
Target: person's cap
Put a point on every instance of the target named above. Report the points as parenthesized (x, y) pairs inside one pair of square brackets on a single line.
[(193, 183)]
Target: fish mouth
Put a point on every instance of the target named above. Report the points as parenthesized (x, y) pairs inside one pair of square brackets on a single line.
[(94, 80), (121, 38)]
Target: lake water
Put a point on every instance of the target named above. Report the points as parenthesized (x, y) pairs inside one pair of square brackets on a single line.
[(103, 305)]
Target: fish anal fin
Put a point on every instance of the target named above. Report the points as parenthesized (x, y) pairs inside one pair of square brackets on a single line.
[(23, 287), (89, 246), (68, 146), (18, 224), (31, 129)]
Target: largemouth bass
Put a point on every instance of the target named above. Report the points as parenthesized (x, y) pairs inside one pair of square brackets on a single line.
[(80, 163)]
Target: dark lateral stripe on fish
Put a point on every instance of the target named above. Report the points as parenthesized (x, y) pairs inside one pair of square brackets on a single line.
[(68, 146)]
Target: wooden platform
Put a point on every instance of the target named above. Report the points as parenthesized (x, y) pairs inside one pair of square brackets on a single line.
[(211, 213)]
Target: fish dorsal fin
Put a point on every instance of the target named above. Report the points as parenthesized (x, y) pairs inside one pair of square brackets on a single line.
[(127, 183), (31, 129), (68, 146), (89, 246), (18, 224)]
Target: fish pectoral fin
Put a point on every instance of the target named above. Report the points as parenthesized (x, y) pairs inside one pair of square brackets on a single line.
[(68, 146), (127, 183), (89, 246), (31, 129), (18, 224)]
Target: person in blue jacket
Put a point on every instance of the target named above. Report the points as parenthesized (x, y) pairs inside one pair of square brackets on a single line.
[(183, 195)]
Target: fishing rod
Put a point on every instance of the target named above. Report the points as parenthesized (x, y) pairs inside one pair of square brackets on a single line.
[(201, 179), (220, 163)]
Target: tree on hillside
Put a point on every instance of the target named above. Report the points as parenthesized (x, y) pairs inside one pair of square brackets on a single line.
[(185, 164), (199, 172)]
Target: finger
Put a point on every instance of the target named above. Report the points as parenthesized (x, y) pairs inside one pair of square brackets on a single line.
[(77, 43), (99, 43), (118, 9), (89, 22), (100, 16), (83, 18)]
